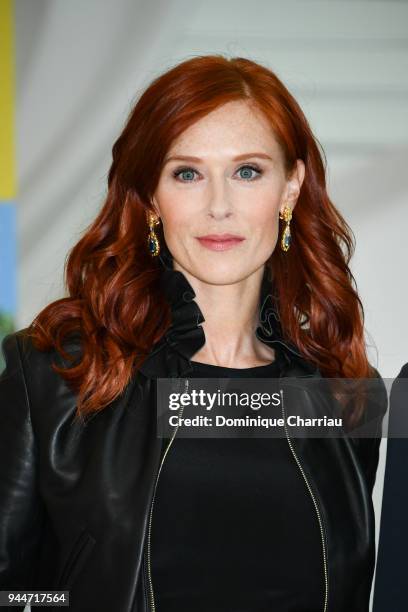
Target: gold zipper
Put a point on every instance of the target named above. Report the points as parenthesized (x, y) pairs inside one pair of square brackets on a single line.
[(149, 573), (309, 488), (151, 591)]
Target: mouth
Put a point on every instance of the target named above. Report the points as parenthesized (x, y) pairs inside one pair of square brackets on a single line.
[(220, 242)]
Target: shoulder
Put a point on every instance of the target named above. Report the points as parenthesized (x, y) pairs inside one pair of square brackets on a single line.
[(403, 372), (376, 398), (399, 387), (19, 351), (399, 402), (29, 371)]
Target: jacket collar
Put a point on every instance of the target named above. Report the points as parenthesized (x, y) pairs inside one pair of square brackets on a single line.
[(170, 356)]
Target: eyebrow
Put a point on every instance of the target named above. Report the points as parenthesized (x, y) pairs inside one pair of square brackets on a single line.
[(190, 158)]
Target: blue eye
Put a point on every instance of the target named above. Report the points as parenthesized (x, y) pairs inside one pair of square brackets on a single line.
[(248, 168), (187, 171), (184, 171)]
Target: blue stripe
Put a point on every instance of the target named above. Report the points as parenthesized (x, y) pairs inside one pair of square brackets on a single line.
[(8, 258)]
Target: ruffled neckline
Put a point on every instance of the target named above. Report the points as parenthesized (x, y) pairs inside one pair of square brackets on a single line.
[(185, 336)]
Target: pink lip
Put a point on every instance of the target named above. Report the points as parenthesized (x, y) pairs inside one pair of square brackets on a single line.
[(219, 242)]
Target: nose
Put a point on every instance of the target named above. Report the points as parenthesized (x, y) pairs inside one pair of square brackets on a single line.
[(219, 204)]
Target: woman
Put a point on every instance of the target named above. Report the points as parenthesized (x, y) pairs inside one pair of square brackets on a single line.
[(188, 272)]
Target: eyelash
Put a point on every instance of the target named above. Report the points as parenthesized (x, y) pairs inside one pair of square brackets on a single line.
[(253, 167)]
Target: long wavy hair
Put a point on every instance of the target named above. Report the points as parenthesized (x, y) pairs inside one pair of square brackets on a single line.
[(113, 298)]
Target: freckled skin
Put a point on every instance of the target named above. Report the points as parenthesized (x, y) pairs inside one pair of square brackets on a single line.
[(220, 195)]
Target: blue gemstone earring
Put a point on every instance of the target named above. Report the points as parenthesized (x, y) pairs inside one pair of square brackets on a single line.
[(286, 235), (152, 239)]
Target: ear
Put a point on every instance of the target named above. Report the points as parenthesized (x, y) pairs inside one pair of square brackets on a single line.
[(155, 207), (293, 185)]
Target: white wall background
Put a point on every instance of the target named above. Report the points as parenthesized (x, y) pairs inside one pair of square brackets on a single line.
[(81, 64)]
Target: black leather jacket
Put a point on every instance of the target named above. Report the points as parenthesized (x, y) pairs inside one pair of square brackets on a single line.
[(75, 500)]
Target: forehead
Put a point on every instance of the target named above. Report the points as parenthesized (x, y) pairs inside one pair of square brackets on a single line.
[(228, 130)]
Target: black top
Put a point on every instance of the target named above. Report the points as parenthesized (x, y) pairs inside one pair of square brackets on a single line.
[(234, 528)]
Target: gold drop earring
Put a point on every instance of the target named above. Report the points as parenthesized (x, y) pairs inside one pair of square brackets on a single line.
[(152, 239), (286, 235)]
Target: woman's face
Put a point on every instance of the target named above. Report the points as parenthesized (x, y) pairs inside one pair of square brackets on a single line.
[(216, 193)]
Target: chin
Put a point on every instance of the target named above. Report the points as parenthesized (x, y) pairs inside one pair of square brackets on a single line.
[(224, 275)]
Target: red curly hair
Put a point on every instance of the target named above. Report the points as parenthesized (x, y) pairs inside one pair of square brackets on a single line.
[(114, 301)]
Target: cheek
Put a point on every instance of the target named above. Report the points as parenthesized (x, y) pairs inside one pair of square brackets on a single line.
[(178, 220), (172, 218), (262, 222), (263, 217), (171, 209), (174, 204)]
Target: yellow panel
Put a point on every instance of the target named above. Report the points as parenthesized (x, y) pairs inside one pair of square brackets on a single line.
[(7, 146)]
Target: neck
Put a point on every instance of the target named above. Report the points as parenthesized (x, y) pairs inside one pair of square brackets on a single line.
[(231, 313)]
